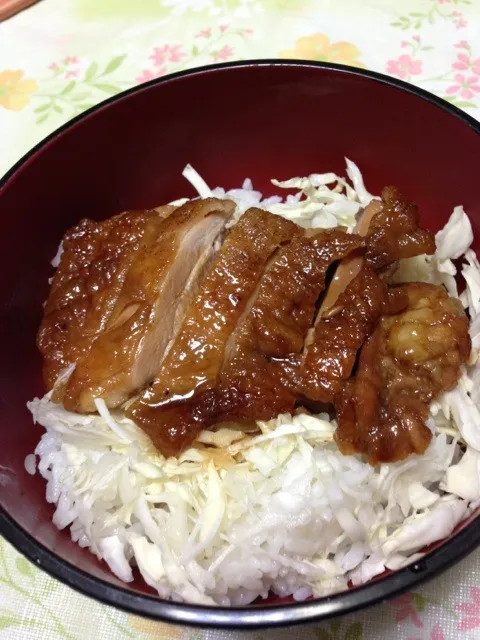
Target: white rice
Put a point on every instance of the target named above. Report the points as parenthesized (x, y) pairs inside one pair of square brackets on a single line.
[(236, 517)]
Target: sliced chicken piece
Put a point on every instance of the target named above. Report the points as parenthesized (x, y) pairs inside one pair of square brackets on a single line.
[(352, 264), (95, 260), (256, 381), (253, 384), (409, 360), (340, 332), (196, 358), (151, 305)]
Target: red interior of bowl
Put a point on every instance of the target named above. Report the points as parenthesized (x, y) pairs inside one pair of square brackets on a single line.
[(257, 121)]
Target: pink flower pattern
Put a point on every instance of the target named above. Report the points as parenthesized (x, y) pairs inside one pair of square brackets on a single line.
[(463, 63), (71, 60), (471, 619), (405, 609), (223, 54), (167, 53), (71, 74), (465, 87), (175, 53), (211, 43), (53, 66), (437, 633), (204, 33), (458, 86), (404, 67), (148, 74)]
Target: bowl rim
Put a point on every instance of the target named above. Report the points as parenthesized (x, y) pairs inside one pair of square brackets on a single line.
[(261, 616)]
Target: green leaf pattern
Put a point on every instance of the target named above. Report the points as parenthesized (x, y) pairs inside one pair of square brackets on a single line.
[(340, 629), (24, 567), (435, 13), (62, 94)]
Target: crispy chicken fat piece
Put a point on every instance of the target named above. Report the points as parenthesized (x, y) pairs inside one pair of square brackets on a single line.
[(391, 230), (410, 359), (394, 232)]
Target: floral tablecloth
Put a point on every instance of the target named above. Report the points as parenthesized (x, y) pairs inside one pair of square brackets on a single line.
[(62, 56)]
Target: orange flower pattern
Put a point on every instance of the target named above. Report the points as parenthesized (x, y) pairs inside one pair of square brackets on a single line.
[(14, 90), (318, 47)]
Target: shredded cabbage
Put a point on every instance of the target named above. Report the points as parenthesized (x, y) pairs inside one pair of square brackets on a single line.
[(56, 260), (471, 273), (264, 513), (451, 242), (463, 479), (455, 237), (356, 178), (197, 181), (315, 205)]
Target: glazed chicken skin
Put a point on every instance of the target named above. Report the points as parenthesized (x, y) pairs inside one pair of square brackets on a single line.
[(341, 331), (197, 355), (150, 309), (93, 266), (251, 384), (410, 359), (255, 382), (146, 304)]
